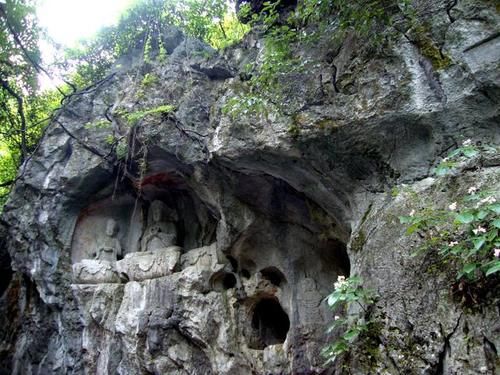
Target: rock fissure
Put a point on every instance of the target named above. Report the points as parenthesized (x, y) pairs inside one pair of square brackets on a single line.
[(441, 366), (211, 245)]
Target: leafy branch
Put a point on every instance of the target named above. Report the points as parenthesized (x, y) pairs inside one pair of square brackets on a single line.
[(348, 292), (467, 232)]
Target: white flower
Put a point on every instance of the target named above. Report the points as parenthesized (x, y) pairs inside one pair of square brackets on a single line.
[(453, 206), (496, 252), (340, 282), (467, 142), (336, 317), (488, 200), (412, 212), (479, 229), (472, 190), (453, 243)]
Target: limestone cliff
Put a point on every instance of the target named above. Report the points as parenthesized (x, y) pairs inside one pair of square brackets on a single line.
[(263, 211)]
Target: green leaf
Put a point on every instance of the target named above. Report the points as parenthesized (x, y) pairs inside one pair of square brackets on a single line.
[(456, 250), (355, 280), (478, 242), (495, 208), (333, 299), (351, 334), (482, 214), (405, 219), (495, 268), (469, 268), (412, 228), (465, 218), (492, 234), (496, 223), (441, 170), (469, 152)]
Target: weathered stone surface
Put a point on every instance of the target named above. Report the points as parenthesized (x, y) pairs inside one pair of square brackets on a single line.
[(271, 209), (93, 271), (149, 265)]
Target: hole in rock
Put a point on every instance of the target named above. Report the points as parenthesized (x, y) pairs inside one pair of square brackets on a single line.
[(229, 281), (273, 275), (223, 281), (247, 266), (5, 270), (270, 324), (233, 262), (245, 273)]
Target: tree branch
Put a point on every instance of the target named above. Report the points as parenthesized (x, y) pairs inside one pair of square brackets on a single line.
[(80, 142), (26, 53), (20, 110), (7, 183)]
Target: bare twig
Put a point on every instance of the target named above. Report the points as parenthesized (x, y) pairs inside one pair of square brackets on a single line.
[(80, 142)]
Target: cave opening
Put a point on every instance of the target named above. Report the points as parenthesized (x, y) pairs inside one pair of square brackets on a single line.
[(228, 281), (245, 273), (223, 281), (273, 275), (6, 272), (270, 324)]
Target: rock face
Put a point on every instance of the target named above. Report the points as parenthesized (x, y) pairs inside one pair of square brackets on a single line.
[(266, 211)]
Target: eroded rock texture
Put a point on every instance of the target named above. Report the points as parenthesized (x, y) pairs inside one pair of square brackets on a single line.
[(267, 211)]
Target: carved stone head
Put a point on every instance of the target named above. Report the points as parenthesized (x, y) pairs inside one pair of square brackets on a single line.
[(111, 227), (159, 212)]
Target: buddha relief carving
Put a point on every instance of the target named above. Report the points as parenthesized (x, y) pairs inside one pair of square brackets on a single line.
[(159, 255), (102, 267), (161, 231), (109, 249)]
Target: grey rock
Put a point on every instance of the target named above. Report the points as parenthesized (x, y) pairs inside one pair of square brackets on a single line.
[(149, 265), (268, 218), (90, 271)]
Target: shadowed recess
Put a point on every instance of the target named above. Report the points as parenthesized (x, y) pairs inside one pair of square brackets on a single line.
[(270, 323)]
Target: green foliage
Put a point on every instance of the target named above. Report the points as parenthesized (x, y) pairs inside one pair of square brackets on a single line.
[(8, 168), (467, 232), (264, 89), (17, 141), (24, 112), (466, 151), (310, 21), (122, 149), (348, 292), (143, 28), (149, 80), (132, 118), (227, 32), (98, 124), (428, 48), (19, 35), (468, 236), (363, 17)]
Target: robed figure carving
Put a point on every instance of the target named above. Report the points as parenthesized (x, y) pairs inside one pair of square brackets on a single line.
[(161, 231), (102, 268), (109, 249)]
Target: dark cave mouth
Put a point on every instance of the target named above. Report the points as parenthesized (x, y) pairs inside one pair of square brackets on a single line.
[(270, 324), (6, 272), (223, 281), (273, 275)]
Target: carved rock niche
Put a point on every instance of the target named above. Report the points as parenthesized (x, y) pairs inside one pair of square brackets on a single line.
[(90, 230), (127, 238)]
